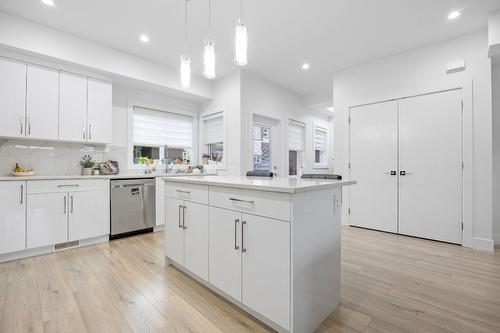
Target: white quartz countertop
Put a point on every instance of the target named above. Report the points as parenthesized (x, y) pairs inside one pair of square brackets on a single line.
[(278, 184), (120, 176)]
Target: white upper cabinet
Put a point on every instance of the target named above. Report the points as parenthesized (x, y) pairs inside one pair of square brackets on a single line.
[(99, 123), (42, 103), (72, 107), (12, 98)]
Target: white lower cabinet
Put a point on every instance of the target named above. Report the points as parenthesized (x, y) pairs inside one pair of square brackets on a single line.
[(47, 220), (225, 251), (186, 235), (87, 214), (13, 216), (266, 267)]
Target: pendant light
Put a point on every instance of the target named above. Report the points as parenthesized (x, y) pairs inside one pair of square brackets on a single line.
[(185, 69), (209, 49), (241, 41)]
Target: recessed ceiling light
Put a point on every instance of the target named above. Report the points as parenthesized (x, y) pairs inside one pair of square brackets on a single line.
[(329, 109), (144, 38), (305, 66), (454, 14), (48, 2)]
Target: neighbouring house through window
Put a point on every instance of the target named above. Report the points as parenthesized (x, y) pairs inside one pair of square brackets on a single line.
[(261, 147), (296, 144)]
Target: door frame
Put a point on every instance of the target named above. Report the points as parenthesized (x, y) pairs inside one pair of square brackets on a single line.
[(467, 144)]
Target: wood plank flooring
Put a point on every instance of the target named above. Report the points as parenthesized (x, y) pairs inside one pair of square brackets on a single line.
[(390, 283)]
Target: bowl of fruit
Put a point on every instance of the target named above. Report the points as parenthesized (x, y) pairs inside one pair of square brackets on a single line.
[(20, 172)]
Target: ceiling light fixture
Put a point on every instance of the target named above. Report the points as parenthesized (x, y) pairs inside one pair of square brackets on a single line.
[(49, 3), (185, 69), (144, 39), (209, 50), (454, 14), (305, 66), (241, 41)]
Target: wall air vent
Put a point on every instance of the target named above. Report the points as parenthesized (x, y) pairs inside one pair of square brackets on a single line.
[(67, 245)]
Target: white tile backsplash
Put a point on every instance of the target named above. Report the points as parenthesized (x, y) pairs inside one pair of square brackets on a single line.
[(51, 158)]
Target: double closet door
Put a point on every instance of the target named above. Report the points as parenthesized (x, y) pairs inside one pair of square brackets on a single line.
[(406, 155)]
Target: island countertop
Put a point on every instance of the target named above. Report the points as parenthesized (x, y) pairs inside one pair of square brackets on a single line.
[(278, 184)]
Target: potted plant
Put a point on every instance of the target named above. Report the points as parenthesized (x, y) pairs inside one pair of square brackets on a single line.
[(87, 164), (205, 158)]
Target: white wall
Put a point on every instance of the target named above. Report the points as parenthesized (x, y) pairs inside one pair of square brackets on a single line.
[(227, 97), (263, 98), (418, 70), (27, 36), (496, 152)]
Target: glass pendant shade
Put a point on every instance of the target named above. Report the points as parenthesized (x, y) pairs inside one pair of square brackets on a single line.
[(185, 71), (240, 44), (209, 60)]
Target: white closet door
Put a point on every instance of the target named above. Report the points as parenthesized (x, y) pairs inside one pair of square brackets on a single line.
[(373, 155), (430, 148)]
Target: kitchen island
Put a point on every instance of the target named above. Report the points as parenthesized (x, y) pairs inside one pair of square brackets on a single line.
[(270, 246)]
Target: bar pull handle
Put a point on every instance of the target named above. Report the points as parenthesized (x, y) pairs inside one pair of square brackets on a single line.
[(183, 192), (21, 199), (65, 204), (21, 121), (236, 247), (184, 210), (84, 136), (243, 248), (90, 131), (241, 200), (68, 185), (72, 205), (180, 213), (29, 126)]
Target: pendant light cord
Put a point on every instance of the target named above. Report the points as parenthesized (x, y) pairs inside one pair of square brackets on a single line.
[(241, 10), (210, 17), (185, 27)]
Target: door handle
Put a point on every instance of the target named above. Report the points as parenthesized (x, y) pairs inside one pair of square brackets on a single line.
[(236, 247), (84, 136), (21, 122), (71, 210), (243, 248), (90, 131), (180, 224), (21, 201), (65, 204), (29, 126), (184, 210)]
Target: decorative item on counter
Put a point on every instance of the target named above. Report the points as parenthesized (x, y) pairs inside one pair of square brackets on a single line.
[(198, 169), (109, 168), (87, 164), (96, 172), (19, 172), (205, 158), (178, 160)]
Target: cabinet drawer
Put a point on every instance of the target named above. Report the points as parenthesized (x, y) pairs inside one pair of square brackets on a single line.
[(269, 204), (190, 192), (66, 185)]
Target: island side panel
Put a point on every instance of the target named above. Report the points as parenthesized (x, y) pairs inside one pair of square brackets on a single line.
[(316, 251)]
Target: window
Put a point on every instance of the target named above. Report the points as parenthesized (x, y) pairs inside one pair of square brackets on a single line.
[(213, 139), (262, 147), (320, 147), (161, 137), (296, 139)]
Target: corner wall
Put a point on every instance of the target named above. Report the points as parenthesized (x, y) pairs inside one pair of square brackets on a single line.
[(496, 152), (417, 70)]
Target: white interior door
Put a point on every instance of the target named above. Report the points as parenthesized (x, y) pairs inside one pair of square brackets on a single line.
[(225, 251), (373, 156), (72, 107), (430, 151), (196, 238), (174, 234)]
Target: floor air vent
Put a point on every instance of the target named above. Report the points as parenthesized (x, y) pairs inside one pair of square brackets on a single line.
[(67, 245)]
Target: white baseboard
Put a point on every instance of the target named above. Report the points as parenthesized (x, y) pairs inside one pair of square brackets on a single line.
[(483, 244), (158, 228), (496, 239)]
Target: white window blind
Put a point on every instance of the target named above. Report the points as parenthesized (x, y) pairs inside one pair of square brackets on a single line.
[(296, 136), (320, 138), (213, 129), (159, 128)]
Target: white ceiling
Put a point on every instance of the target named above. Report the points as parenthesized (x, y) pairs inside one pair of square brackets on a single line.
[(329, 34)]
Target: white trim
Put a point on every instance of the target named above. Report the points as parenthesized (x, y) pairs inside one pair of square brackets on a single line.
[(483, 244), (130, 127), (468, 150), (496, 239), (213, 113)]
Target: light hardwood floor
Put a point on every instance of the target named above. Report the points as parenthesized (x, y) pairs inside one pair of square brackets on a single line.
[(390, 283)]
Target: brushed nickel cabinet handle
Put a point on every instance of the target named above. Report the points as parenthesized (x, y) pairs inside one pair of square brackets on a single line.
[(21, 201), (180, 224), (65, 204), (241, 200), (29, 126), (184, 210), (21, 122), (236, 247), (90, 131), (72, 205), (243, 248)]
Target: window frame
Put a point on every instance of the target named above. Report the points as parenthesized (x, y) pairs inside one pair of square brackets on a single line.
[(270, 127), (300, 154), (322, 164), (213, 113)]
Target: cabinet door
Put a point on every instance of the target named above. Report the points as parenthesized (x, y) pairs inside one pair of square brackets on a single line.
[(196, 238), (88, 215), (12, 218), (47, 221), (174, 234), (42, 103), (72, 107), (99, 112), (225, 251), (266, 267), (12, 98)]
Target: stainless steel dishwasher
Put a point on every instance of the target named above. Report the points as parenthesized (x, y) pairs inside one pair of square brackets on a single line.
[(132, 206)]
